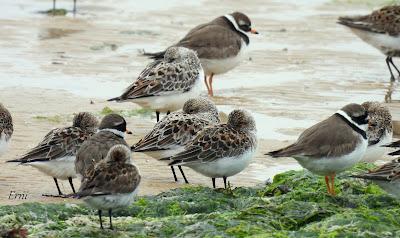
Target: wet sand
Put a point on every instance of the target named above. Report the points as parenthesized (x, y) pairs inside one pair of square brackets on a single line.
[(301, 69)]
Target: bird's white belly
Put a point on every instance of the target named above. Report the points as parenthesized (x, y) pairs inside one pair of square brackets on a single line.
[(3, 144), (382, 42), (61, 168), (224, 167), (173, 102), (220, 66), (327, 166), (111, 201), (375, 152), (392, 188)]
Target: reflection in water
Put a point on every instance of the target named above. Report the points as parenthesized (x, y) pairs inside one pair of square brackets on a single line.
[(392, 87), (55, 33)]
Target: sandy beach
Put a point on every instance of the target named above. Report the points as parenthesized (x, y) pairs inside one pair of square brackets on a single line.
[(300, 69)]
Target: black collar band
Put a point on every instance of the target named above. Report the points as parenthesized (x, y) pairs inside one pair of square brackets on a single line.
[(355, 128)]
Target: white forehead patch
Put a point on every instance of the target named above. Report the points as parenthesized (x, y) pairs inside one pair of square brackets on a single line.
[(241, 22), (233, 21)]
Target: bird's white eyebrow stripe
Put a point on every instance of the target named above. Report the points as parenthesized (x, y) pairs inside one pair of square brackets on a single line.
[(232, 20), (343, 114)]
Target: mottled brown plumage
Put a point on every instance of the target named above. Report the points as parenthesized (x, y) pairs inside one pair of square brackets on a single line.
[(113, 175), (176, 73), (6, 123), (385, 21), (389, 172), (220, 141), (61, 142), (178, 128)]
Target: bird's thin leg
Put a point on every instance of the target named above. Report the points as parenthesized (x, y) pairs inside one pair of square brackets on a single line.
[(173, 172), (327, 184), (58, 187), (101, 222), (183, 175), (206, 82), (110, 215), (224, 181), (213, 182), (333, 184), (210, 81), (54, 7), (392, 78), (391, 61), (158, 116), (72, 185), (74, 9)]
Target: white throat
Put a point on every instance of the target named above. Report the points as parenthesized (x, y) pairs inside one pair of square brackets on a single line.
[(361, 127), (116, 132), (232, 20)]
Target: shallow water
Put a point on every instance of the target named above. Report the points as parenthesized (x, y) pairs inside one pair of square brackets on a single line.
[(300, 69)]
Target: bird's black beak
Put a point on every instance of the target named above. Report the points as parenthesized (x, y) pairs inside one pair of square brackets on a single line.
[(253, 31)]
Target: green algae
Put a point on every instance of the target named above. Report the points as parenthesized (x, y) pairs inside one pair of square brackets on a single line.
[(55, 12), (52, 119), (301, 209), (143, 112)]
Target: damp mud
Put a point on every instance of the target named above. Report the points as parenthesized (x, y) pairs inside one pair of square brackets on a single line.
[(300, 69)]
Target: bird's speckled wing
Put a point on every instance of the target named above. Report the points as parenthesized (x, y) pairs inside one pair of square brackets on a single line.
[(214, 143), (176, 130), (162, 78), (385, 21), (110, 178), (57, 143)]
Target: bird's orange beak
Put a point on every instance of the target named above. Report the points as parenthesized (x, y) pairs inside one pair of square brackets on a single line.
[(128, 132), (253, 31)]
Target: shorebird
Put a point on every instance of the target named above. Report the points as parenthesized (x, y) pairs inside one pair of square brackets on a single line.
[(170, 135), (331, 146), (220, 44), (380, 131), (54, 7), (6, 129), (381, 29), (221, 151), (387, 177), (111, 132), (55, 154), (112, 184), (166, 84)]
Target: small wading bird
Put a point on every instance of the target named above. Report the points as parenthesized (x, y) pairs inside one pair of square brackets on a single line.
[(56, 153), (112, 184), (387, 177), (6, 129), (220, 44), (166, 84), (221, 151), (380, 130), (170, 135), (331, 146), (111, 132), (381, 29)]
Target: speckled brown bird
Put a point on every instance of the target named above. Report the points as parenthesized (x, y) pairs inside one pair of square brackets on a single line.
[(55, 154), (166, 84), (170, 135), (381, 29), (6, 129), (380, 130), (223, 150), (387, 177), (112, 184), (220, 44)]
